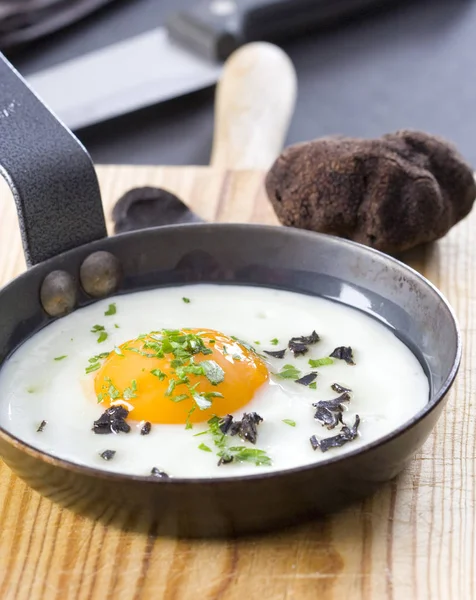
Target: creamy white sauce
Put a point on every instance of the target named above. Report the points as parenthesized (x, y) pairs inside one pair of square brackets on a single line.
[(388, 383)]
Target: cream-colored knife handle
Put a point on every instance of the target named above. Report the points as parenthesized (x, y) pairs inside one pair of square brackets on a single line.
[(254, 104)]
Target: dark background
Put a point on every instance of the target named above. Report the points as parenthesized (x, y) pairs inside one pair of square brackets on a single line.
[(409, 66)]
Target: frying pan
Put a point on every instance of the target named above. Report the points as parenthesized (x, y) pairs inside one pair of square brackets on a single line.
[(72, 263)]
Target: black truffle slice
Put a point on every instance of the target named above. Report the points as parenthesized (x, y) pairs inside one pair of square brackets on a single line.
[(225, 460), (276, 353), (108, 454), (328, 418), (343, 353), (299, 345), (155, 472), (144, 207), (347, 434), (307, 339), (340, 389), (297, 348), (307, 379), (145, 429), (112, 421), (335, 403), (329, 412), (247, 428), (225, 423), (42, 426)]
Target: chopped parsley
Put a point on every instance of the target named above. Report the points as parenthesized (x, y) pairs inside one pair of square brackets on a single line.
[(179, 398), (158, 373), (112, 390), (94, 363), (118, 351), (188, 423), (205, 448), (289, 372), (313, 385), (103, 335), (243, 454), (203, 401), (186, 300), (257, 342), (320, 362), (171, 387), (130, 392), (94, 367), (98, 357), (111, 310), (289, 422), (116, 325), (212, 371), (274, 341), (61, 357)]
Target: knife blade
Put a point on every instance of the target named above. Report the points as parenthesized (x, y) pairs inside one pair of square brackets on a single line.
[(183, 57), (125, 76)]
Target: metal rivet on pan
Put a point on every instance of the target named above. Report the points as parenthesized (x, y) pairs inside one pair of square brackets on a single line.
[(100, 274), (58, 293)]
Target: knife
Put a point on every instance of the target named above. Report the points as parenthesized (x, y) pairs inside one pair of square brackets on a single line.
[(184, 56)]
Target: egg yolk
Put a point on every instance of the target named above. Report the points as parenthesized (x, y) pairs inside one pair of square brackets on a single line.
[(160, 377)]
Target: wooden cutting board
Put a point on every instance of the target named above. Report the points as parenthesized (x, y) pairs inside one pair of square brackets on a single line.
[(414, 540)]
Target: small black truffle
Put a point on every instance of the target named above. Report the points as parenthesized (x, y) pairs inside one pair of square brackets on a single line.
[(145, 429), (307, 379), (307, 339), (276, 353), (335, 403), (329, 412), (108, 454), (225, 423), (340, 389), (112, 421), (327, 417), (41, 426), (155, 472), (343, 353), (347, 434), (297, 348), (247, 428), (299, 345)]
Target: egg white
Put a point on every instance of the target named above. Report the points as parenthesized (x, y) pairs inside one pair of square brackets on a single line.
[(389, 385)]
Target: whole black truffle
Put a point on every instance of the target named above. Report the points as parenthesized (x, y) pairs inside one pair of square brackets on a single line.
[(392, 193)]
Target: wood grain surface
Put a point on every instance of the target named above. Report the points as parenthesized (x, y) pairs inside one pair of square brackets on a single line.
[(414, 540)]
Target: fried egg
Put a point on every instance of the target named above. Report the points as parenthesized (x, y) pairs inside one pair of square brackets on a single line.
[(209, 381)]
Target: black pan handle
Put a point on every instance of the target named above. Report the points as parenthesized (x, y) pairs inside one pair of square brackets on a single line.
[(49, 172)]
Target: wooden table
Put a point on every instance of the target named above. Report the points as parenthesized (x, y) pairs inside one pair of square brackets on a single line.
[(414, 540)]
